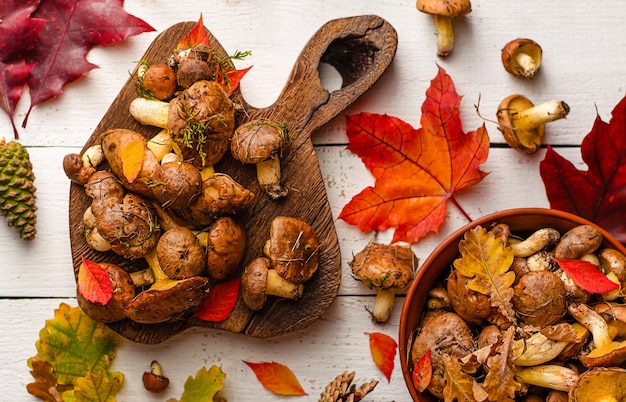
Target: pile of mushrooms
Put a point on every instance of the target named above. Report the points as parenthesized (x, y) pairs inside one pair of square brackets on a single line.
[(564, 339), (160, 203)]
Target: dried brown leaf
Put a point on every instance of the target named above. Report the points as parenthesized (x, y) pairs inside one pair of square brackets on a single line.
[(500, 381)]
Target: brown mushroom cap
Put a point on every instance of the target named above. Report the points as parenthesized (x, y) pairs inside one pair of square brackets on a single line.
[(76, 170), (115, 308), (104, 189), (254, 281), (257, 141), (601, 383), (385, 266), (522, 140), (168, 300), (176, 184), (160, 80), (472, 306), (293, 248), (180, 254), (225, 248), (129, 227), (513, 49), (204, 107), (539, 298), (445, 8)]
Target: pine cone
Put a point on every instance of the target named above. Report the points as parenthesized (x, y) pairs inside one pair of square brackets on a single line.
[(341, 389), (17, 189)]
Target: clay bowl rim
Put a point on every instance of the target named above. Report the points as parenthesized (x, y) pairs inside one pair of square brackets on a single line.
[(520, 220)]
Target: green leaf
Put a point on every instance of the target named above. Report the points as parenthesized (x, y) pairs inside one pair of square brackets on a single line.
[(76, 345), (204, 386)]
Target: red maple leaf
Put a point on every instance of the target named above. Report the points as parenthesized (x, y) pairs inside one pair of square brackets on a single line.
[(416, 170), (55, 37), (221, 300), (599, 193)]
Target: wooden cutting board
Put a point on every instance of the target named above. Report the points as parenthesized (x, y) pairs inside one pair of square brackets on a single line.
[(360, 48)]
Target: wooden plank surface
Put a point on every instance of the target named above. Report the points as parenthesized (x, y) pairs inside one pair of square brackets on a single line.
[(583, 65)]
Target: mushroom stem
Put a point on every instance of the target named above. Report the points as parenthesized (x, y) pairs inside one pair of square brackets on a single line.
[(536, 116), (149, 112), (142, 278), (445, 35), (593, 322), (268, 176), (527, 63), (278, 286), (383, 303), (548, 376), (160, 144), (161, 280)]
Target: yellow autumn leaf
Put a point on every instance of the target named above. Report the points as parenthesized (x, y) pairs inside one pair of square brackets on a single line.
[(132, 159)]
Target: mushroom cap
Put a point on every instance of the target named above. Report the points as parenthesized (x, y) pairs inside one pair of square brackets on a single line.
[(385, 266), (254, 282), (527, 141), (293, 248), (167, 300), (123, 294), (180, 254), (600, 383), (539, 298), (445, 8), (472, 306), (257, 141), (104, 189), (176, 184), (226, 247), (160, 80), (511, 50)]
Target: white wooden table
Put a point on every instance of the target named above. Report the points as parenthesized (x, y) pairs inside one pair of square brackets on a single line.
[(584, 64)]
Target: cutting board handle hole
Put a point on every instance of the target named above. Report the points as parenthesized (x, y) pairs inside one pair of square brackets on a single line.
[(330, 77)]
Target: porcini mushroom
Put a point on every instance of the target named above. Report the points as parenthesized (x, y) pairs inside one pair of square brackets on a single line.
[(157, 80), (79, 168), (578, 241), (444, 11), (260, 142), (260, 280), (600, 384), (388, 269), (180, 254), (225, 245), (154, 380), (176, 184), (293, 247), (539, 298), (522, 123), (551, 376), (522, 57), (166, 299)]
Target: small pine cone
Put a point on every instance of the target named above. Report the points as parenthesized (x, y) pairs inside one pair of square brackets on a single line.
[(17, 189), (341, 389)]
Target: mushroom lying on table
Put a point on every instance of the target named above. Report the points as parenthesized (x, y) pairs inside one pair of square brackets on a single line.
[(389, 269), (522, 57)]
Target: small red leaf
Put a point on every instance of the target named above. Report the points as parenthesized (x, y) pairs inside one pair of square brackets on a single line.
[(277, 378), (196, 36), (220, 302), (94, 283), (233, 77), (383, 349), (422, 372), (587, 276)]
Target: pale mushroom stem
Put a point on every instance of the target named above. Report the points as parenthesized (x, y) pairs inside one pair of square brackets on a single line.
[(594, 323), (383, 303), (527, 63), (149, 112), (536, 116), (162, 281), (445, 35), (548, 376), (278, 286), (268, 175)]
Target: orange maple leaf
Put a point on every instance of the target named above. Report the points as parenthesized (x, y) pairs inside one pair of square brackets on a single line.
[(277, 378), (383, 350), (416, 170)]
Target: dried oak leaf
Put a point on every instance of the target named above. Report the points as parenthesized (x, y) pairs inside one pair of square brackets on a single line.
[(58, 35), (597, 194), (204, 386), (459, 385), (500, 381), (101, 387), (486, 260), (416, 170), (74, 347)]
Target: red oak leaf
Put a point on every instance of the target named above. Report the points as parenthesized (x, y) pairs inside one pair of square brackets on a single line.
[(383, 349), (599, 193), (221, 300), (422, 373), (277, 378), (416, 170), (587, 276), (94, 283), (54, 39)]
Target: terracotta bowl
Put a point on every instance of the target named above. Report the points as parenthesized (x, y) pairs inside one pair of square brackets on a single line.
[(522, 221)]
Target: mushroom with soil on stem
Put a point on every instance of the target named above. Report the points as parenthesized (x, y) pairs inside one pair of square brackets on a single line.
[(522, 123), (166, 299), (293, 248), (260, 280), (259, 142), (522, 57), (444, 11), (79, 168), (389, 269)]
